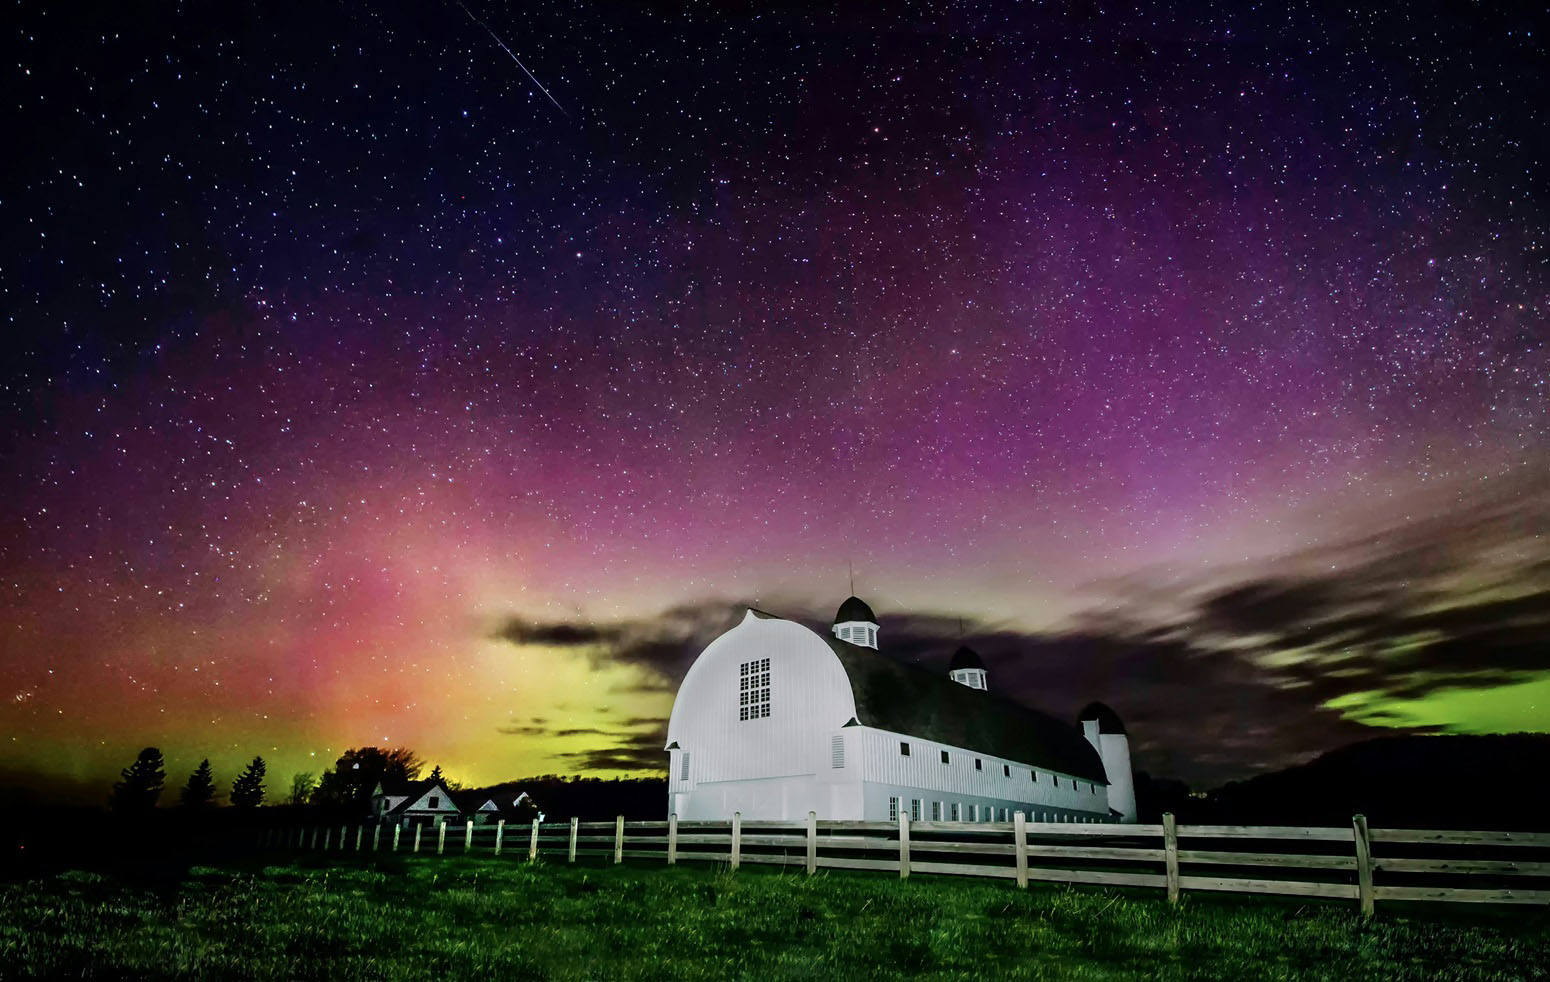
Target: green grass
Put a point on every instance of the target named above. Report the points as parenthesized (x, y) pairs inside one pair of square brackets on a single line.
[(466, 918)]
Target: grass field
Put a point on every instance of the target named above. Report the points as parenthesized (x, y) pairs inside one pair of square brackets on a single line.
[(464, 918)]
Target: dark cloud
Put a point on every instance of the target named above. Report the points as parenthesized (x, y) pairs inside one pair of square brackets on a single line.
[(520, 730), (633, 752), (558, 633)]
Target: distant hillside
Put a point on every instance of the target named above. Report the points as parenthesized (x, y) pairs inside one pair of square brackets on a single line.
[(1476, 782)]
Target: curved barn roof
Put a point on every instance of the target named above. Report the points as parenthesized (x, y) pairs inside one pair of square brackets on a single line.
[(910, 700)]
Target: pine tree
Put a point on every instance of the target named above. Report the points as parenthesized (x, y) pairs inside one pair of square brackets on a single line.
[(199, 792), (142, 784), (436, 773), (247, 791)]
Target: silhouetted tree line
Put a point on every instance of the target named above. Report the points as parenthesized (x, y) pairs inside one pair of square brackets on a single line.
[(345, 788), (142, 782)]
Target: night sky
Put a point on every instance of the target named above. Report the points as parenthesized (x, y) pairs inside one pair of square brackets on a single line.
[(357, 391)]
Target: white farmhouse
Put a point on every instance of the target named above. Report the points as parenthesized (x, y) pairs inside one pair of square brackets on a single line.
[(410, 803), (773, 720)]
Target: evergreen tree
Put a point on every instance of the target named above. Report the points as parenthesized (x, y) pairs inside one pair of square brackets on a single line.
[(436, 773), (142, 784), (247, 791), (199, 792)]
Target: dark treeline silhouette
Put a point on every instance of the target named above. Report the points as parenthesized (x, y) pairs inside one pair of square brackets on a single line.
[(593, 799), (1445, 782)]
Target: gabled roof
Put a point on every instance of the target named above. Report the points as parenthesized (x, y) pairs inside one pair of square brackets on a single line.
[(909, 700), (411, 792)]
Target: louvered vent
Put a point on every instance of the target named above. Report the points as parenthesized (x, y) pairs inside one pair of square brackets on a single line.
[(836, 751)]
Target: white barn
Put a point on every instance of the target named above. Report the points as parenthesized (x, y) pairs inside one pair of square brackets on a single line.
[(773, 721)]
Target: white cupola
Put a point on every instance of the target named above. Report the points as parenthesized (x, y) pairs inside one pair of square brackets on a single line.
[(967, 669), (856, 623)]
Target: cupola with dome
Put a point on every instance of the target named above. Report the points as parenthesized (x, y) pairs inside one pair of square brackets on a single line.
[(966, 668), (855, 622)]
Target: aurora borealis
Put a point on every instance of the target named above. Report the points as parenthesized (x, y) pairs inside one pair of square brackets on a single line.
[(355, 393)]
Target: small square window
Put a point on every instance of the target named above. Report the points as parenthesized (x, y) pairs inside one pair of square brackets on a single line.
[(979, 765), (1033, 776), (904, 748), (1006, 770), (1054, 780), (944, 756), (434, 802)]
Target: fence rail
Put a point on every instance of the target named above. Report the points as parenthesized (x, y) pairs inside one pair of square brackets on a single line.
[(1335, 863)]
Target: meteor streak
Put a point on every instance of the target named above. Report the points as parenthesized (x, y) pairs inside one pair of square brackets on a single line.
[(513, 54)]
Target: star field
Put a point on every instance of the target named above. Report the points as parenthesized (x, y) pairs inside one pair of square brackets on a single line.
[(334, 344)]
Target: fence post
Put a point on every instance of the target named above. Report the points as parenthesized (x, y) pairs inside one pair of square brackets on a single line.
[(396, 829), (301, 836), (1363, 864), (904, 844), (1020, 846), (575, 825), (672, 839), (360, 836), (441, 837), (314, 844), (376, 837), (532, 843), (328, 837), (468, 835), (737, 839), (500, 832), (342, 830), (812, 843), (417, 829), (1171, 855), (619, 839)]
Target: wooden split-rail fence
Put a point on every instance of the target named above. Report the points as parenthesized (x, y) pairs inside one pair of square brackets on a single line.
[(1347, 863)]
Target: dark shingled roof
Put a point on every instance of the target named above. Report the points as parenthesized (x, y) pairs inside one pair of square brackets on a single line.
[(1108, 719), (964, 657), (855, 609), (913, 701)]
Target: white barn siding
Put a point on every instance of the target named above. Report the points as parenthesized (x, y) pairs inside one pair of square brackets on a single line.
[(778, 766), (887, 772)]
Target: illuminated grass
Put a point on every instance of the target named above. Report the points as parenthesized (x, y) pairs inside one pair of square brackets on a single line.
[(457, 918)]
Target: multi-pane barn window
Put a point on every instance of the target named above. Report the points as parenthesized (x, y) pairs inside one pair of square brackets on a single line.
[(914, 809), (893, 809), (936, 811), (753, 697)]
